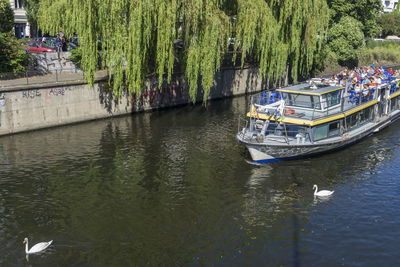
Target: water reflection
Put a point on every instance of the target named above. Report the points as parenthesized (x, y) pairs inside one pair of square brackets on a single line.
[(173, 188), (319, 200)]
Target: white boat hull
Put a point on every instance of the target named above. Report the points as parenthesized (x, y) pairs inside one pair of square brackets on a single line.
[(263, 153)]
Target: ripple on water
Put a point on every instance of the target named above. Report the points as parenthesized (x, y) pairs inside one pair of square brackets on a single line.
[(173, 188)]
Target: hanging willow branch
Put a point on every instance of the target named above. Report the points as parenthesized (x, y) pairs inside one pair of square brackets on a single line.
[(137, 36), (281, 33)]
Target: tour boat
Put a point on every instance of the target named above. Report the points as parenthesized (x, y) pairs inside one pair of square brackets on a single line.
[(305, 120)]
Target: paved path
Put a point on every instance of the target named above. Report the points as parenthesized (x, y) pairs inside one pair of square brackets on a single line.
[(60, 78)]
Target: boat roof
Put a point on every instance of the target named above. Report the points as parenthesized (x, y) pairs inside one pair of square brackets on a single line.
[(305, 88)]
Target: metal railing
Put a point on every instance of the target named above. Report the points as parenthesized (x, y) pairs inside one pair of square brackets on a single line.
[(38, 77), (320, 109), (243, 124)]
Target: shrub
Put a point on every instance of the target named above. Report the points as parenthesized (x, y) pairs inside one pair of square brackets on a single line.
[(12, 57), (385, 54), (390, 23), (76, 57), (6, 16), (346, 39)]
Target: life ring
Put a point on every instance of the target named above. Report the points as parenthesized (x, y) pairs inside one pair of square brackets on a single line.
[(289, 111)]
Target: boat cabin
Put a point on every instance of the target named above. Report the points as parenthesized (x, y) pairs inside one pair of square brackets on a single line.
[(312, 97)]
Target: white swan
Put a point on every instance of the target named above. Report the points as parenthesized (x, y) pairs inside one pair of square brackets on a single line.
[(322, 193), (36, 248)]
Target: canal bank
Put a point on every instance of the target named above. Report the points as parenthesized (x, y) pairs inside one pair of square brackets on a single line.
[(26, 107)]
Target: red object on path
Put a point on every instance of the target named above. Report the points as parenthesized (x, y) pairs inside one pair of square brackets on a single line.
[(35, 47)]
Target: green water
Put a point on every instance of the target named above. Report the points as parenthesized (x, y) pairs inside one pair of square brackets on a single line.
[(173, 188)]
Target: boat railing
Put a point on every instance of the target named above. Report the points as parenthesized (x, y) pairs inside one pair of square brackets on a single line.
[(257, 136), (267, 97), (316, 110), (394, 86), (243, 124), (324, 109), (260, 132), (267, 101)]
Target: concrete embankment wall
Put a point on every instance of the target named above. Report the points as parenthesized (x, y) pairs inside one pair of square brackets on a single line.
[(30, 107)]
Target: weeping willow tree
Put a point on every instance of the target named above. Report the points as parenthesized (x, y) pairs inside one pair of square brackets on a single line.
[(138, 36), (281, 34)]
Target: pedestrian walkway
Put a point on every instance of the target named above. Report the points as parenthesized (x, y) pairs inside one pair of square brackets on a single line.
[(49, 79)]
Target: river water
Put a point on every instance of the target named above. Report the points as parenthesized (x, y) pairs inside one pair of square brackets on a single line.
[(173, 188)]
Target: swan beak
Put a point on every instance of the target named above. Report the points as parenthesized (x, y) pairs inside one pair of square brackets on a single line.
[(23, 242)]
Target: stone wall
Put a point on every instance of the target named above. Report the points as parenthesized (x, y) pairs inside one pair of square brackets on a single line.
[(36, 107)]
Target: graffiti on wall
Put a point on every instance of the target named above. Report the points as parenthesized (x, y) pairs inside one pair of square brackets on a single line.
[(56, 92), (2, 99), (31, 93), (49, 93), (2, 103), (60, 91), (159, 96)]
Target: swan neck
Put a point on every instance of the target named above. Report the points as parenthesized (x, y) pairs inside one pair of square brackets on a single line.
[(26, 247), (316, 189)]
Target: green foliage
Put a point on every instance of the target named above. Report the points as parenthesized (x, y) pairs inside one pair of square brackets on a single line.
[(390, 23), (386, 52), (365, 11), (281, 33), (140, 34), (346, 39), (6, 17), (76, 57), (31, 7), (381, 43), (325, 61), (12, 57)]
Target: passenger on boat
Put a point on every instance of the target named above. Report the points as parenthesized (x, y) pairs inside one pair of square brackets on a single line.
[(313, 86), (395, 74), (333, 81), (371, 70), (324, 82), (378, 79), (357, 87), (366, 81)]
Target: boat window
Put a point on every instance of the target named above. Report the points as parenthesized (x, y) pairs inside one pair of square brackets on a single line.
[(271, 127), (326, 130), (365, 115), (372, 116), (394, 103), (304, 101), (352, 120), (334, 128), (333, 98), (316, 103), (320, 132), (293, 130)]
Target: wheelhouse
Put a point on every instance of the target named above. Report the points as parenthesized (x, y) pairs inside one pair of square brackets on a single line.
[(321, 98)]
